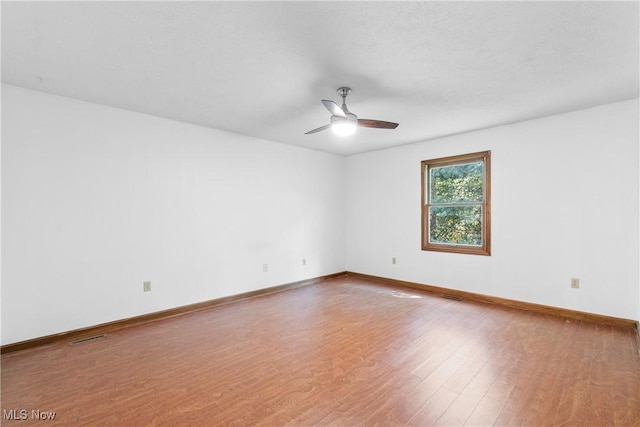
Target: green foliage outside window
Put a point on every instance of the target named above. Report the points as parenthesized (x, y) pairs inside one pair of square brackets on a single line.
[(457, 183), (455, 211), (456, 225)]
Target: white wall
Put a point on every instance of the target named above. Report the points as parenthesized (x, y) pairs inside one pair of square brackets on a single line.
[(564, 204), (96, 200)]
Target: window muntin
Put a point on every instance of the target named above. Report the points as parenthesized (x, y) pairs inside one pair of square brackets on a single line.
[(456, 202)]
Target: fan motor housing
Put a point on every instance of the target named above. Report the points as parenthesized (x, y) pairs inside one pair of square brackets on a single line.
[(350, 118)]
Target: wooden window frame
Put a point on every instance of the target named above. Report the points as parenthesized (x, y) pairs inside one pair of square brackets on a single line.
[(485, 248)]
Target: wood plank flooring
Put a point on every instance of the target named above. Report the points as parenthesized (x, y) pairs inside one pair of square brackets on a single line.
[(346, 352)]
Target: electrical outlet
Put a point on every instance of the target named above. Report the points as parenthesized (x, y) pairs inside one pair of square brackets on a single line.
[(265, 268), (393, 260), (146, 286), (575, 283), (304, 261)]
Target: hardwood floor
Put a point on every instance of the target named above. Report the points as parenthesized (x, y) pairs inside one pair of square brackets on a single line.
[(344, 352)]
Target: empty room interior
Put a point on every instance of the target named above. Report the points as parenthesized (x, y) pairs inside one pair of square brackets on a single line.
[(320, 213)]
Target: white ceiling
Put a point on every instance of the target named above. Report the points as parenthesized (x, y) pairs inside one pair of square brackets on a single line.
[(261, 68)]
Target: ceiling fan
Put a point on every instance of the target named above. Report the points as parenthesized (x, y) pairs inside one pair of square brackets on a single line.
[(344, 122)]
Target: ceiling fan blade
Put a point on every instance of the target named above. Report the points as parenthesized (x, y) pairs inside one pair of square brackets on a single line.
[(379, 124), (333, 108), (318, 129)]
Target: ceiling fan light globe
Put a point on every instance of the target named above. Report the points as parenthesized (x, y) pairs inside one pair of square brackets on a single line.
[(343, 128)]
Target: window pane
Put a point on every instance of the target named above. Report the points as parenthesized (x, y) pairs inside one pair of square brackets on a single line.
[(457, 183), (459, 225)]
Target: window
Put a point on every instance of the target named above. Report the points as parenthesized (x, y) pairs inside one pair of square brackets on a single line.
[(456, 204)]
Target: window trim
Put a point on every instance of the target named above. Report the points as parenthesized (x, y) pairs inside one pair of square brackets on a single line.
[(485, 249)]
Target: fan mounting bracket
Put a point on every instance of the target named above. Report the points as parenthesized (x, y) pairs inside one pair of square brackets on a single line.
[(344, 91)]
